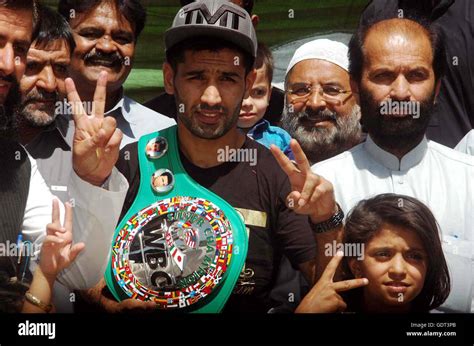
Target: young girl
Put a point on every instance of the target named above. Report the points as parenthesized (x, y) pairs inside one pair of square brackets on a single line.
[(57, 253), (401, 267)]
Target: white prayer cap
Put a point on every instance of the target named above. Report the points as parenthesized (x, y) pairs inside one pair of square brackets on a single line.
[(323, 49)]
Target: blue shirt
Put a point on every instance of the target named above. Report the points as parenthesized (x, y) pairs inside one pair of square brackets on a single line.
[(266, 134)]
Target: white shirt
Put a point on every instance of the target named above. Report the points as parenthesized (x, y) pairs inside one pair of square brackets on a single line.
[(436, 175), (95, 215), (136, 120), (466, 145)]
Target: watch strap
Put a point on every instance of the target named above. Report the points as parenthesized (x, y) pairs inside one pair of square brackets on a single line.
[(332, 223)]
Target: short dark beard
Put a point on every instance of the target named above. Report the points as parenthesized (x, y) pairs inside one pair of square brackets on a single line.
[(30, 118), (8, 119), (395, 135), (322, 143), (187, 119)]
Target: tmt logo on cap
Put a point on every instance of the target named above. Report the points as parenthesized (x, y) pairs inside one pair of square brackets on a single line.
[(200, 10)]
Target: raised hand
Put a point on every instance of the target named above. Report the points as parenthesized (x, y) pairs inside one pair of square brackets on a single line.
[(324, 297), (311, 194), (57, 252), (96, 139)]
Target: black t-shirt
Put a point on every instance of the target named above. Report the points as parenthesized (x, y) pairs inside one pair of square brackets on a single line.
[(259, 188)]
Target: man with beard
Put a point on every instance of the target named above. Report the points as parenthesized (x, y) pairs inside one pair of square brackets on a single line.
[(106, 34), (13, 50), (322, 114), (453, 115), (42, 85), (46, 132), (164, 103), (396, 66), (26, 202), (321, 111), (209, 87)]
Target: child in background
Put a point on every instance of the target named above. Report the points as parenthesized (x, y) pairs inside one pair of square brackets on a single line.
[(253, 108), (402, 268)]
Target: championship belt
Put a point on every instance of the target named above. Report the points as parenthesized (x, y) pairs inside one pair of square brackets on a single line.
[(179, 244)]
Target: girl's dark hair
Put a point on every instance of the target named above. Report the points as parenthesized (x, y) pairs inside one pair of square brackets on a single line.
[(132, 10), (365, 221), (356, 45)]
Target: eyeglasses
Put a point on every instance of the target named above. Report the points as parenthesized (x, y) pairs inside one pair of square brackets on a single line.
[(300, 92)]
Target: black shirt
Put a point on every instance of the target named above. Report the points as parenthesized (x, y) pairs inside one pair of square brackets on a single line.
[(260, 188), (453, 115)]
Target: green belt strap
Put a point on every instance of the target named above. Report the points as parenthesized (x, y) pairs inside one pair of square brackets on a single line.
[(120, 280)]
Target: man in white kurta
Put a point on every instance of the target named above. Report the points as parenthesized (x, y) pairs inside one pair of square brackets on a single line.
[(96, 208), (397, 65), (438, 176), (466, 145), (96, 212)]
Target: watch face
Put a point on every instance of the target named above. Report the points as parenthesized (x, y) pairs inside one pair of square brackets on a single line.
[(174, 252)]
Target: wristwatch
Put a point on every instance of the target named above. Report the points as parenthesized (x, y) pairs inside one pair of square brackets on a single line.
[(332, 223)]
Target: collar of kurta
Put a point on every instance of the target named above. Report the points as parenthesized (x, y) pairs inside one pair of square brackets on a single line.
[(65, 126), (62, 127), (411, 159), (123, 108)]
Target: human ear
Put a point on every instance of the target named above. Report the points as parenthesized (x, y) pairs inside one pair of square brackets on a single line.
[(255, 20)]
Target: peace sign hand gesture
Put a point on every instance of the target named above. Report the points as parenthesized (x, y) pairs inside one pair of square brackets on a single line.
[(96, 139), (311, 194), (58, 252), (324, 297)]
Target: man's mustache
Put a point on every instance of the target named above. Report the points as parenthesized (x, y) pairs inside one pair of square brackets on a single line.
[(114, 58), (10, 78), (206, 107), (41, 96), (321, 115)]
